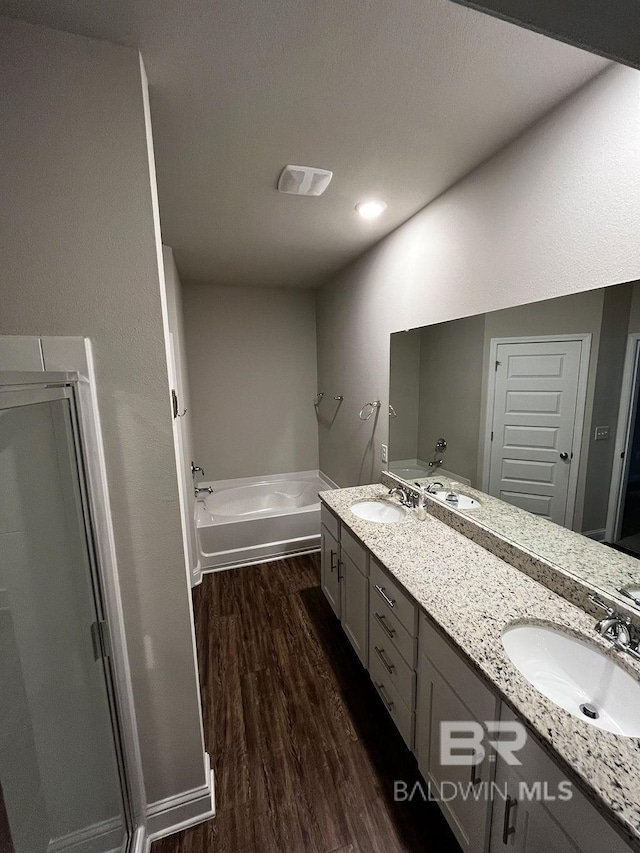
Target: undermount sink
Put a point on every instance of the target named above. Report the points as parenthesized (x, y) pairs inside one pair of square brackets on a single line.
[(384, 512), (463, 502), (576, 676)]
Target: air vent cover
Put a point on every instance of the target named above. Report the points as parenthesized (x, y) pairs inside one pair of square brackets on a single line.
[(304, 180)]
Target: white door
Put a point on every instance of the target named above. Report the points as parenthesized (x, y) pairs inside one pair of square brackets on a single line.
[(537, 398)]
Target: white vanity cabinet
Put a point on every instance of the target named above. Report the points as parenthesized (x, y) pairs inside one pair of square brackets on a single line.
[(532, 813), (344, 581), (449, 691), (424, 680)]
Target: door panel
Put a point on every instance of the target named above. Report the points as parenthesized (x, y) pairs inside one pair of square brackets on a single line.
[(533, 422), (58, 760), (355, 606), (329, 569)]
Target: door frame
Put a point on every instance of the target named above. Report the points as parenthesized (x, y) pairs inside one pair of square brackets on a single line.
[(68, 361), (581, 402), (620, 469)]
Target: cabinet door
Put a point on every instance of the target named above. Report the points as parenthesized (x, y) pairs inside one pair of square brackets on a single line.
[(539, 815), (460, 788), (520, 825), (329, 577), (355, 606)]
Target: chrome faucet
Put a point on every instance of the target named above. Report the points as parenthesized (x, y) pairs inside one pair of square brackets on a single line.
[(405, 496), (617, 629), (199, 489), (432, 488)]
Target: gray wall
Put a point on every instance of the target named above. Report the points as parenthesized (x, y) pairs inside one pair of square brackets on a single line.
[(80, 257), (555, 212), (404, 380), (606, 404), (451, 360), (252, 372)]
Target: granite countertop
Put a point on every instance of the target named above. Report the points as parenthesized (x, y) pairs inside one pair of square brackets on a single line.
[(472, 595), (565, 549)]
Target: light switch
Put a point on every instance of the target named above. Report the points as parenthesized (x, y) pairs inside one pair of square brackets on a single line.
[(602, 433)]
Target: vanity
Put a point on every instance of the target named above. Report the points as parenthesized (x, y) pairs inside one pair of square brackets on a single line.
[(430, 614)]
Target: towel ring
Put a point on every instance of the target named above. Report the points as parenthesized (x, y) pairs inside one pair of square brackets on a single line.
[(392, 412), (372, 406)]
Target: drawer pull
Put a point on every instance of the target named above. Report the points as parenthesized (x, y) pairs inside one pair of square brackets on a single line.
[(508, 830), (390, 601), (386, 663), (333, 554), (388, 702), (390, 632), (340, 563)]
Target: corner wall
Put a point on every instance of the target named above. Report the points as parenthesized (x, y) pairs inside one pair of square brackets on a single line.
[(555, 212), (79, 251)]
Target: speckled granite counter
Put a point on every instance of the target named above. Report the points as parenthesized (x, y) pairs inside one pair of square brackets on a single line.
[(507, 530), (472, 595)]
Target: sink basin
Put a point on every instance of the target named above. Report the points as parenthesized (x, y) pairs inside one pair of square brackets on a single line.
[(384, 512), (576, 676), (464, 501)]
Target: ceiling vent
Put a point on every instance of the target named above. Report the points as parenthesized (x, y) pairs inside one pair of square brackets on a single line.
[(304, 180)]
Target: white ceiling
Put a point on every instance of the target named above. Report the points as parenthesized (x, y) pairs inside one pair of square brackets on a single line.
[(400, 99)]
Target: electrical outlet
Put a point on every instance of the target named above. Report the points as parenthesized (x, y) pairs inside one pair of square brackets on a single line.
[(385, 453), (602, 433)]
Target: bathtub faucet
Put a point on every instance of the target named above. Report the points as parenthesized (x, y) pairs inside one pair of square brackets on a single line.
[(199, 489)]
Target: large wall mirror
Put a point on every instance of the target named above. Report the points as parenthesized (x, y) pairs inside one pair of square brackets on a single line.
[(531, 410)]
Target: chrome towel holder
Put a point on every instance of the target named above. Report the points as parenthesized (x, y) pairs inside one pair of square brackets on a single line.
[(372, 407)]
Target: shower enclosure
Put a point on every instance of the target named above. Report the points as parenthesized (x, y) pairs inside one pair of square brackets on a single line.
[(62, 784)]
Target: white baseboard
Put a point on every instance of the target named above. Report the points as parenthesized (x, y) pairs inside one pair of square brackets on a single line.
[(179, 812), (108, 833), (285, 555), (599, 535)]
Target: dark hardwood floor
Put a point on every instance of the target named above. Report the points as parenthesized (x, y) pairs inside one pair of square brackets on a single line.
[(305, 756)]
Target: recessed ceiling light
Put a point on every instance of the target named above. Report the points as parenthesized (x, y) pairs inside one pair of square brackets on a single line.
[(371, 209)]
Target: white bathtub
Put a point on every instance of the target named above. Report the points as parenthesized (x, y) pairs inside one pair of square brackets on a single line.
[(255, 519)]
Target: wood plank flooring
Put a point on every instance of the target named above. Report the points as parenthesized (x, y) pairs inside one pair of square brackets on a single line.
[(305, 756)]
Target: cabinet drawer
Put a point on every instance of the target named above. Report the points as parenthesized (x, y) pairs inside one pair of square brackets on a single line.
[(400, 713), (389, 595), (330, 521), (354, 549), (401, 674), (457, 672), (392, 629)]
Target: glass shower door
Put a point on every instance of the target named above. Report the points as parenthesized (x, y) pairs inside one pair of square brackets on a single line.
[(60, 781)]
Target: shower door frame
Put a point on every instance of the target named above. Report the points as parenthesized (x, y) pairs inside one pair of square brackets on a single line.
[(87, 443)]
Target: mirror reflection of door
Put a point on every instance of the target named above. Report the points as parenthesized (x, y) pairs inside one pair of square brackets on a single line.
[(538, 388)]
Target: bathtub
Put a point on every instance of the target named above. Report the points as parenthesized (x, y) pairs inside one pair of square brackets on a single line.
[(256, 519)]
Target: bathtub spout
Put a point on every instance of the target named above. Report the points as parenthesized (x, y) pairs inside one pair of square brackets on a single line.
[(199, 489)]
